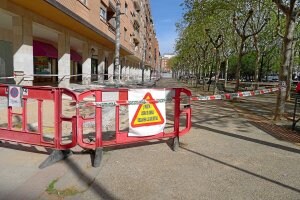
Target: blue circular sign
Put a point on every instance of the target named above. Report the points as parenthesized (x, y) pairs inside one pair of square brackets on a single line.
[(14, 92)]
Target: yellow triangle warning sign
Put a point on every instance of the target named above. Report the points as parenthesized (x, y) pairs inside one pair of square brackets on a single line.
[(147, 114)]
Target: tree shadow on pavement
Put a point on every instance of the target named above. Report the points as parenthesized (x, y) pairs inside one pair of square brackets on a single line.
[(278, 146), (22, 147), (91, 182), (217, 118), (139, 144), (243, 170)]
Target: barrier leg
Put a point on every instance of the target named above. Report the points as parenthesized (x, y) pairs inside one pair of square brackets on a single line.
[(175, 144), (54, 157), (98, 157)]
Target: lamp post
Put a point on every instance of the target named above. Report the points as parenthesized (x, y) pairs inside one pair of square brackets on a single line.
[(117, 67), (143, 60)]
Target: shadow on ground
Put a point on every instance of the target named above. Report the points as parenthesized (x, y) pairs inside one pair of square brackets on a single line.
[(243, 170), (249, 139)]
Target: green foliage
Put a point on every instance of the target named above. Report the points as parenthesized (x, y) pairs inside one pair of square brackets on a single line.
[(215, 17), (248, 63), (51, 190)]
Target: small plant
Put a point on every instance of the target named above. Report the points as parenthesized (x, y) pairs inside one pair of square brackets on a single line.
[(71, 191), (51, 187)]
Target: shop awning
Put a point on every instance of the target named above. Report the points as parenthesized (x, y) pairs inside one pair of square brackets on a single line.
[(47, 50), (44, 49), (75, 56)]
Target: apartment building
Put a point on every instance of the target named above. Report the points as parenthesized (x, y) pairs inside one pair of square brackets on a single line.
[(63, 41), (165, 65)]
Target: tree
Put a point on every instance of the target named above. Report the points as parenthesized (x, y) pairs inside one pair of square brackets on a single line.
[(246, 30), (291, 12), (217, 44)]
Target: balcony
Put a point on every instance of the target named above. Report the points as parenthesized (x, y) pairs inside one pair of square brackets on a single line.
[(112, 25), (137, 6), (136, 24), (136, 42)]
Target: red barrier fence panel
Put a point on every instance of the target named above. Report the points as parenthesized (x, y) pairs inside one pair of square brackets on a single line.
[(60, 119), (120, 103), (34, 115)]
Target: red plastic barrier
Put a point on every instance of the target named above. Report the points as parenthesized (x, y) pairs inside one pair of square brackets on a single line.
[(84, 114), (39, 95), (121, 137)]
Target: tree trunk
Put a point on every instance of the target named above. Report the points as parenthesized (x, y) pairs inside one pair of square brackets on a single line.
[(256, 70), (286, 60), (290, 74), (210, 76), (217, 73), (257, 59), (239, 65), (226, 73)]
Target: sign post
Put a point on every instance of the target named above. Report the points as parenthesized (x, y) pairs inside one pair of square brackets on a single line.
[(15, 94)]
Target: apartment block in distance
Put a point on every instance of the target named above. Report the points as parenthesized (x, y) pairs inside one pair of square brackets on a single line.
[(165, 65), (65, 41)]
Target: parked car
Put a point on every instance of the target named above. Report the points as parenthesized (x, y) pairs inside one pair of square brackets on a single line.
[(298, 87), (271, 78)]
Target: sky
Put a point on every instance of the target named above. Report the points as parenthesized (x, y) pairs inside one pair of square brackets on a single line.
[(166, 13)]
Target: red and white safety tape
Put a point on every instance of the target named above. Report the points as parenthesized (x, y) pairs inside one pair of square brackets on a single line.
[(193, 98), (6, 78), (233, 95), (124, 102)]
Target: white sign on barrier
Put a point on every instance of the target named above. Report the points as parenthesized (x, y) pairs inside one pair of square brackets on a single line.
[(25, 92), (149, 118), (15, 96)]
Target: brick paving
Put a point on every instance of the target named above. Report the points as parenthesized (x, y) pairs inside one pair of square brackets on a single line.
[(279, 132)]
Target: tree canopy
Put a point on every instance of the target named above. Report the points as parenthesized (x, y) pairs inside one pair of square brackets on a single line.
[(243, 39)]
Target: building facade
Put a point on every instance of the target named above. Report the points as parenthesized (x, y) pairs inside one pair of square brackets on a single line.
[(165, 66), (59, 41)]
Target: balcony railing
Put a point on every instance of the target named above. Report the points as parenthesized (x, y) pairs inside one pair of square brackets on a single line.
[(137, 5), (112, 24)]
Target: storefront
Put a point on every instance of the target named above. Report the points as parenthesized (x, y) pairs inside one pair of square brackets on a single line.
[(46, 62), (76, 66), (6, 60)]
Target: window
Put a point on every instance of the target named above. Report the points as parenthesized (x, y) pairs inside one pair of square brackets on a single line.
[(103, 12), (125, 34), (136, 44), (136, 26), (83, 2), (126, 8), (132, 14)]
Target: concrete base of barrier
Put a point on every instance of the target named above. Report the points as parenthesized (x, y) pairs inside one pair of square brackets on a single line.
[(175, 144), (54, 157), (97, 157)]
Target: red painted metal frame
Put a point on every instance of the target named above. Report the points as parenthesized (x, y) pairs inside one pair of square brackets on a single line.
[(41, 94), (122, 138), (36, 138)]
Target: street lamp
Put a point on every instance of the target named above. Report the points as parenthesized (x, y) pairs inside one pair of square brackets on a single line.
[(143, 60), (117, 67)]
